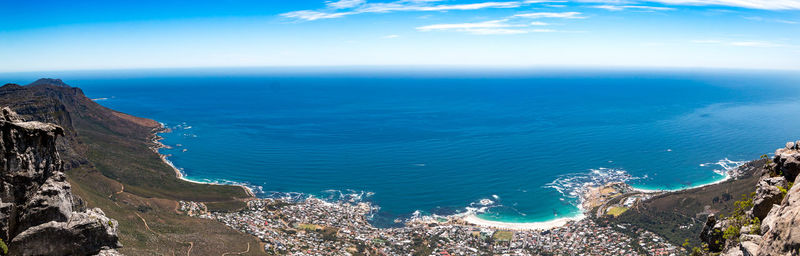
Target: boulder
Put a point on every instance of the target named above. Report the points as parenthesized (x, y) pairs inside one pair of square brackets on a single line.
[(787, 162), (768, 193), (84, 233), (36, 201), (749, 244)]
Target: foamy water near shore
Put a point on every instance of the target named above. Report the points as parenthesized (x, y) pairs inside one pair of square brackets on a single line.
[(178, 173), (473, 218)]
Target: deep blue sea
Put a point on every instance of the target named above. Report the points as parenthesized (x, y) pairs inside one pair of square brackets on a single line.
[(439, 143)]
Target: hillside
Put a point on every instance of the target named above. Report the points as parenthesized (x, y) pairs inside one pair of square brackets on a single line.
[(681, 215), (110, 164)]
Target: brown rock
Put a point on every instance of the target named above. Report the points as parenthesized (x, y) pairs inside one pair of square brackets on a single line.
[(783, 238), (767, 194)]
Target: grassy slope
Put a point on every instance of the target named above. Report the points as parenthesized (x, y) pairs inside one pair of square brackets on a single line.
[(166, 232), (665, 214), (115, 153)]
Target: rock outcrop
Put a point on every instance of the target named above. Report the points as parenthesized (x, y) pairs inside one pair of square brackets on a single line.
[(781, 230), (37, 209), (712, 233), (783, 238), (777, 208), (768, 193), (787, 160)]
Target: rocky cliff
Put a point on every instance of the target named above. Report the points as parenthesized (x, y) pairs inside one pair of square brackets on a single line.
[(771, 224), (109, 162), (38, 212)]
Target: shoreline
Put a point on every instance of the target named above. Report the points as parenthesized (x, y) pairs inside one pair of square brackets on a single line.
[(475, 219), (470, 218), (727, 177), (178, 174), (520, 226)]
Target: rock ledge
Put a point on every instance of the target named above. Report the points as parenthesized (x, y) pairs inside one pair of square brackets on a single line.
[(37, 213)]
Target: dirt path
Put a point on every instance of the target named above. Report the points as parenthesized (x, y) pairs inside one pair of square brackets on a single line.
[(189, 252), (245, 251), (145, 223)]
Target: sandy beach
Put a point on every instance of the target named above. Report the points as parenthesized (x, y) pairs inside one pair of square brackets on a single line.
[(475, 220), (593, 197)]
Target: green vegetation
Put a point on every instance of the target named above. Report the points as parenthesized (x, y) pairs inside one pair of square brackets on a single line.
[(308, 227), (739, 220), (786, 189), (616, 210), (503, 236), (680, 215), (3, 248), (695, 251)]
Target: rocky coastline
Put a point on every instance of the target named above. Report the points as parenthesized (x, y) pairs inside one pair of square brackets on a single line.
[(766, 221), (156, 140)]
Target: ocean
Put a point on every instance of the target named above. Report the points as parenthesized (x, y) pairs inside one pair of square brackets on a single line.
[(512, 146)]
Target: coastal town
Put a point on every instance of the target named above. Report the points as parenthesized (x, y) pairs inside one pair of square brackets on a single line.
[(316, 227)]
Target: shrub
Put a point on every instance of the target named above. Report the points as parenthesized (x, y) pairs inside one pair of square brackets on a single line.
[(739, 219), (3, 248)]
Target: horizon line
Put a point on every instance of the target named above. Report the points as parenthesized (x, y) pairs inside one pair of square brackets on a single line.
[(436, 67)]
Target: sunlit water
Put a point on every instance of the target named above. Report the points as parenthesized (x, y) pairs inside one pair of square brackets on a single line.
[(518, 146)]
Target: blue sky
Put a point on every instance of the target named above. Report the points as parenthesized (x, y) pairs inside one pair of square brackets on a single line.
[(89, 35)]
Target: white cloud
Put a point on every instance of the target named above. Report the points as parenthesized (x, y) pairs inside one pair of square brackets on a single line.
[(635, 7), (562, 15), (476, 25), (391, 36), (539, 23), (494, 31), (492, 27), (314, 15), (361, 6), (344, 4), (750, 4)]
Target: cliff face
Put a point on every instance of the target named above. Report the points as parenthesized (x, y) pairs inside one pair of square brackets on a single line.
[(782, 224), (37, 210), (776, 204)]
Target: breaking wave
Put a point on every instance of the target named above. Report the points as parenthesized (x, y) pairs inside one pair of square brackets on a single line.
[(574, 186), (726, 164)]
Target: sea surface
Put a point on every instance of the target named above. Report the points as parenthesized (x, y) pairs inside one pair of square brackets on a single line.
[(513, 146)]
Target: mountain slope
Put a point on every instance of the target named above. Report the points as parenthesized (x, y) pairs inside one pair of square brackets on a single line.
[(111, 165)]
